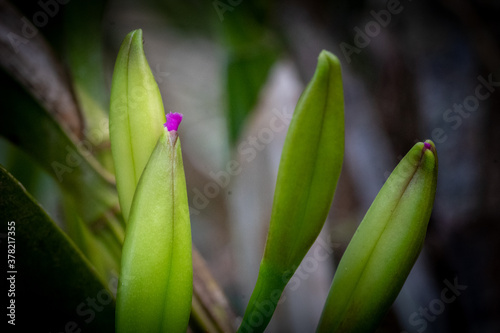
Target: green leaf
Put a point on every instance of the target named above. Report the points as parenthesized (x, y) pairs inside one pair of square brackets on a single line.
[(136, 117), (83, 48), (43, 119), (385, 246), (309, 169), (53, 281), (100, 242), (246, 75), (156, 282), (26, 124), (89, 194), (252, 51)]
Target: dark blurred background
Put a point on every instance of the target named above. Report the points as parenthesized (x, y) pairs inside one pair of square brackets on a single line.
[(412, 70)]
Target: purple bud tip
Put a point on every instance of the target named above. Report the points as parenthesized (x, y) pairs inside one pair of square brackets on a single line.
[(427, 145), (173, 121)]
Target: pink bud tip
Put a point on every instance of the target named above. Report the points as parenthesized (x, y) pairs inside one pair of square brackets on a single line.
[(427, 145), (173, 121)]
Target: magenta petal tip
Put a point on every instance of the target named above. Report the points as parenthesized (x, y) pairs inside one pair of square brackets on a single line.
[(173, 121), (427, 145)]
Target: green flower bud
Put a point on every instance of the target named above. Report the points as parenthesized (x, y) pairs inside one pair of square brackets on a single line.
[(156, 282), (135, 118), (385, 246), (309, 169)]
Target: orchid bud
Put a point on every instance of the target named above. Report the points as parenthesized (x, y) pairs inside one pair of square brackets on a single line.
[(309, 169), (385, 246), (135, 117), (156, 280)]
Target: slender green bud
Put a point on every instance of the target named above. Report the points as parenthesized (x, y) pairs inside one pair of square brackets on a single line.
[(135, 117), (156, 281), (385, 246), (309, 169)]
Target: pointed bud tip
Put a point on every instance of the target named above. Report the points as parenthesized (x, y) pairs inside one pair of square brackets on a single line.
[(429, 145), (429, 155), (328, 55), (173, 121)]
